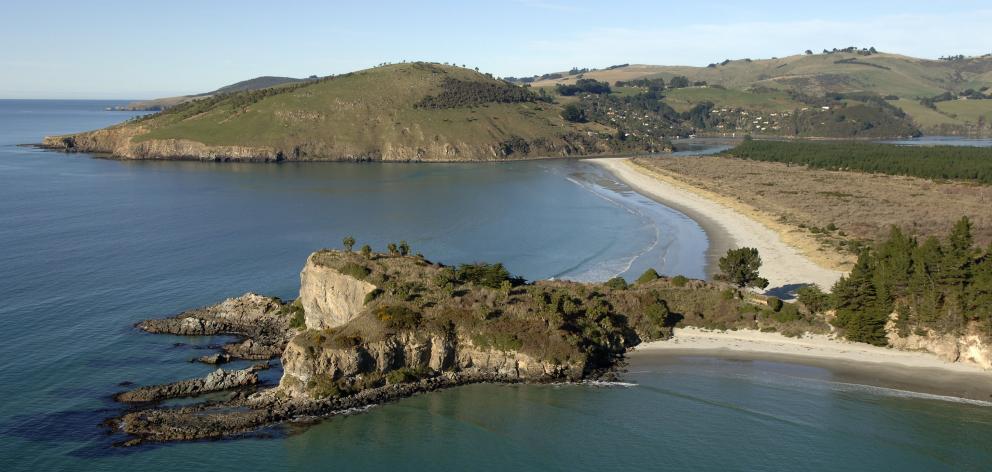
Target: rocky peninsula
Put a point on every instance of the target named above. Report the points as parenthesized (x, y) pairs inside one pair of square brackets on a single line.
[(370, 327)]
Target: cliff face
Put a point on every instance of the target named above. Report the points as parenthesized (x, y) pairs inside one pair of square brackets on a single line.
[(970, 348), (304, 367), (341, 347), (120, 143), (330, 298)]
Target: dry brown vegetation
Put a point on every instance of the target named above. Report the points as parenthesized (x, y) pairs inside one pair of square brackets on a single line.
[(861, 206)]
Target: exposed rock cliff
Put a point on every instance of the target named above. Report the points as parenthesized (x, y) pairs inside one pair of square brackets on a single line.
[(970, 348), (305, 369), (119, 142), (330, 298)]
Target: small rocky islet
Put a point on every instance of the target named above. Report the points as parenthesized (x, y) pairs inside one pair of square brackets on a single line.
[(369, 327)]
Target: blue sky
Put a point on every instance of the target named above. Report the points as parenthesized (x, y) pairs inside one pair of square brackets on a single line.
[(133, 49)]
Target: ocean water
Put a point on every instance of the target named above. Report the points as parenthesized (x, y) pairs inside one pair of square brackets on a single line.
[(91, 246)]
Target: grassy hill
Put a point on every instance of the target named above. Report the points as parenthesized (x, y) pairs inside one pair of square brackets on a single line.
[(415, 111), (245, 85), (755, 81), (257, 83)]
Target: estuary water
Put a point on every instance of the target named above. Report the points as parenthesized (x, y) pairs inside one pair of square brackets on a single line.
[(90, 246)]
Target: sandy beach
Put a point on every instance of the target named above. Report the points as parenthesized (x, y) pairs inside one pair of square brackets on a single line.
[(783, 265), (855, 363), (810, 345)]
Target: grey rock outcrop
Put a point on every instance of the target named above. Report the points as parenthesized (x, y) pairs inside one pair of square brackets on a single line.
[(217, 380), (330, 298)]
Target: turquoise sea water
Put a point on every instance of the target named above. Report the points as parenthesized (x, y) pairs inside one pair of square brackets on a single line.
[(90, 246)]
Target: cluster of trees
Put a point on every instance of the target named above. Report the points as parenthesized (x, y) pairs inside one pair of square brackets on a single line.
[(935, 162), (679, 81), (699, 115), (970, 94), (851, 49), (870, 99), (583, 86), (937, 285), (651, 84), (534, 78), (401, 249), (574, 113), (461, 93), (577, 71)]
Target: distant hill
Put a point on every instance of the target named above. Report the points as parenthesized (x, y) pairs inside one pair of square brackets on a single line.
[(413, 111), (257, 83), (265, 81), (905, 81)]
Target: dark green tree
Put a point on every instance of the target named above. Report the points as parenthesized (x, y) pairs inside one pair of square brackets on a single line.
[(404, 248), (813, 299), (617, 283), (391, 247), (648, 276), (980, 292), (367, 251), (348, 242), (573, 113), (856, 300), (740, 267)]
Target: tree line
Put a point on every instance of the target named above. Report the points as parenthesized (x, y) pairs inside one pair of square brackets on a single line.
[(932, 162), (462, 93), (943, 286), (583, 86)]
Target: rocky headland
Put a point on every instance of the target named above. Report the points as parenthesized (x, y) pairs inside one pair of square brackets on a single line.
[(369, 328)]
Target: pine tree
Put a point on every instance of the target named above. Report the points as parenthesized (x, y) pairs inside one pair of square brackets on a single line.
[(980, 292), (856, 299), (856, 292), (893, 268)]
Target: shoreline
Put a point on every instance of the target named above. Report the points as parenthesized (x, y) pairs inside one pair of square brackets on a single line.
[(784, 265), (855, 363)]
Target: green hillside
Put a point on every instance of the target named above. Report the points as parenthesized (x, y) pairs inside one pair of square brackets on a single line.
[(760, 84), (415, 111), (257, 83)]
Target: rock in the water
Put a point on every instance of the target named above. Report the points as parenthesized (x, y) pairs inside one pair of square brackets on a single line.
[(216, 358), (217, 380)]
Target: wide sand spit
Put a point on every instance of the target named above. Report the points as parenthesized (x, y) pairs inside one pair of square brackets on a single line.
[(785, 267)]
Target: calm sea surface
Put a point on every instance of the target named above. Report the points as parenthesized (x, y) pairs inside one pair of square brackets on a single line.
[(90, 246)]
